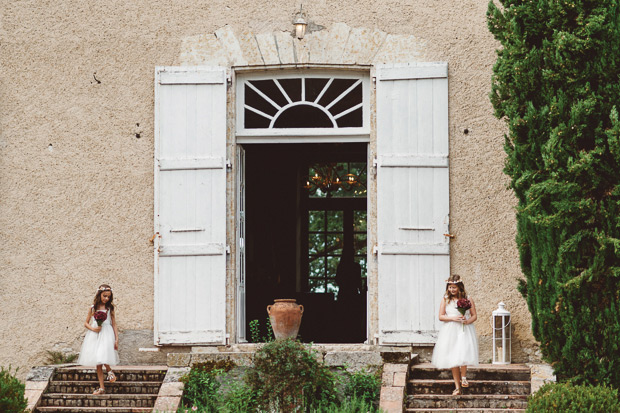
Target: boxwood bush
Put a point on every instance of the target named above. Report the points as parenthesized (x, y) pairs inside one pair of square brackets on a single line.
[(567, 398), (12, 391)]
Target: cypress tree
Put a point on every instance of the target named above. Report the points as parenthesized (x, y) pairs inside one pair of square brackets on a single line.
[(556, 82)]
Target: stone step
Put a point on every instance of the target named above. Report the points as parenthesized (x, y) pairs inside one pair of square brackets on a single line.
[(63, 409), (121, 375), (467, 410), (481, 372), (119, 387), (102, 400), (416, 386), (467, 401)]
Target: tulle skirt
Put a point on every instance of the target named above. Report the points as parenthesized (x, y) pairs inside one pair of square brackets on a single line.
[(98, 348), (457, 345)]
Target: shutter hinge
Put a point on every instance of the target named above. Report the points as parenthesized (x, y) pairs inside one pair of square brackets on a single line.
[(374, 82), (375, 164), (228, 249), (228, 79), (228, 164), (375, 249)]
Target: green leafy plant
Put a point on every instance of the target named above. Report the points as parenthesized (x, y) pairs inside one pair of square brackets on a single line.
[(287, 376), (363, 387), (569, 398), (255, 332), (12, 392), (58, 357), (353, 405), (555, 83), (202, 384), (238, 398)]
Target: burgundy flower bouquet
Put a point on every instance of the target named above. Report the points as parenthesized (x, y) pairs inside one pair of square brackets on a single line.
[(463, 305), (100, 317)]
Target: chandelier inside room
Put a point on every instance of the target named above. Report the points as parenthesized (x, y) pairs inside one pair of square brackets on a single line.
[(342, 178)]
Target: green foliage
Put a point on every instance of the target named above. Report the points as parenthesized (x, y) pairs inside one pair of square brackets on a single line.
[(287, 376), (353, 405), (201, 388), (238, 398), (555, 82), (362, 386), (255, 332), (567, 398), (58, 357), (12, 391)]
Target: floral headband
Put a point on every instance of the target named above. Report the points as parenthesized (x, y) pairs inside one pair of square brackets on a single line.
[(104, 289), (454, 282)]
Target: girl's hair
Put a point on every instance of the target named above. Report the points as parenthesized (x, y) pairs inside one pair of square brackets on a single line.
[(455, 279), (97, 301)]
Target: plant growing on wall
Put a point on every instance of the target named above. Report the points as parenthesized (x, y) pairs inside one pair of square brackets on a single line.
[(555, 82)]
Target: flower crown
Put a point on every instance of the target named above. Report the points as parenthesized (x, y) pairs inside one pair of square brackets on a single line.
[(454, 282), (104, 289)]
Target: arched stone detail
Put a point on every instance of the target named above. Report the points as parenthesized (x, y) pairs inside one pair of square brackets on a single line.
[(339, 44)]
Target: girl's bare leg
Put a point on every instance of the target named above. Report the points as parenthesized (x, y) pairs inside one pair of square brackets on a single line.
[(100, 375), (456, 375)]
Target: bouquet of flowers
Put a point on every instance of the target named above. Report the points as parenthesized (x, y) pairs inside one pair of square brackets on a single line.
[(100, 317), (463, 305)]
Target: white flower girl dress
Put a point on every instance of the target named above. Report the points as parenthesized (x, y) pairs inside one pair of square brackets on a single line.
[(457, 344), (98, 348)]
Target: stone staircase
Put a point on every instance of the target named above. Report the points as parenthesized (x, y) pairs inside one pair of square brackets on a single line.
[(70, 390), (492, 388)]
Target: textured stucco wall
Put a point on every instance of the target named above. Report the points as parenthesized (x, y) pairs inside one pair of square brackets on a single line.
[(76, 149)]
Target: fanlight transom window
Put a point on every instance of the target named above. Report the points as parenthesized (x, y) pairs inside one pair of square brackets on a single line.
[(304, 102)]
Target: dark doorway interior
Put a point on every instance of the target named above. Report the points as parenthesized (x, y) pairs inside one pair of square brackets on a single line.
[(307, 243)]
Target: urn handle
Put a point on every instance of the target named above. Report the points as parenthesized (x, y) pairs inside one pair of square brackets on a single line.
[(301, 307), (269, 309)]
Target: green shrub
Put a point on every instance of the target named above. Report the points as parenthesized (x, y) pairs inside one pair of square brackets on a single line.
[(353, 405), (567, 398), (238, 398), (201, 387), (58, 357), (256, 331), (555, 83), (287, 376), (363, 386), (12, 391)]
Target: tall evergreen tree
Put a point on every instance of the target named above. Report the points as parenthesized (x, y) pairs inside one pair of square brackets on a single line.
[(557, 83)]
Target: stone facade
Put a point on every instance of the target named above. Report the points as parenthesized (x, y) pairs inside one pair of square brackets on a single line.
[(77, 141)]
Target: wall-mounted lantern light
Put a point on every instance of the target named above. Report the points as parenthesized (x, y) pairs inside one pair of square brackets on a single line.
[(300, 23)]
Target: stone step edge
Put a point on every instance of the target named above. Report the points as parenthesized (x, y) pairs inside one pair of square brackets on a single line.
[(131, 396), (479, 367), (107, 383), (471, 382), (77, 367), (468, 396)]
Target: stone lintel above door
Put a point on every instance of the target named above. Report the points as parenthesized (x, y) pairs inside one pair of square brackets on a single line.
[(338, 45)]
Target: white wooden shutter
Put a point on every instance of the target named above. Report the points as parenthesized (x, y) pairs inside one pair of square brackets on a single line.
[(190, 205), (412, 200)]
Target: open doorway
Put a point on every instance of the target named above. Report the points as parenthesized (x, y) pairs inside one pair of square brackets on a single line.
[(305, 236)]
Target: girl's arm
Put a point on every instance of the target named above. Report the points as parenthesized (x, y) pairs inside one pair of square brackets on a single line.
[(113, 320), (97, 329), (444, 317), (472, 313)]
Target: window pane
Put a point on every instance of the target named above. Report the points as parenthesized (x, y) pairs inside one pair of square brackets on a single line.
[(334, 244), (359, 221), (332, 265), (317, 285), (316, 244), (360, 244), (316, 266), (334, 221), (362, 262), (332, 287), (316, 221)]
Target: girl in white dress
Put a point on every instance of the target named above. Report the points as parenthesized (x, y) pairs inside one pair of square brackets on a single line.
[(457, 345), (101, 342)]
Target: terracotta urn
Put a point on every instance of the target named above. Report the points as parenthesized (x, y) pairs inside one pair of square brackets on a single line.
[(285, 317)]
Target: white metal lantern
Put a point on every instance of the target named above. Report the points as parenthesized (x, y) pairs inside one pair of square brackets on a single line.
[(502, 339)]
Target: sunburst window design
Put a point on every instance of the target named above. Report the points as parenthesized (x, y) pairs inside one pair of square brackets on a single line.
[(303, 102)]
